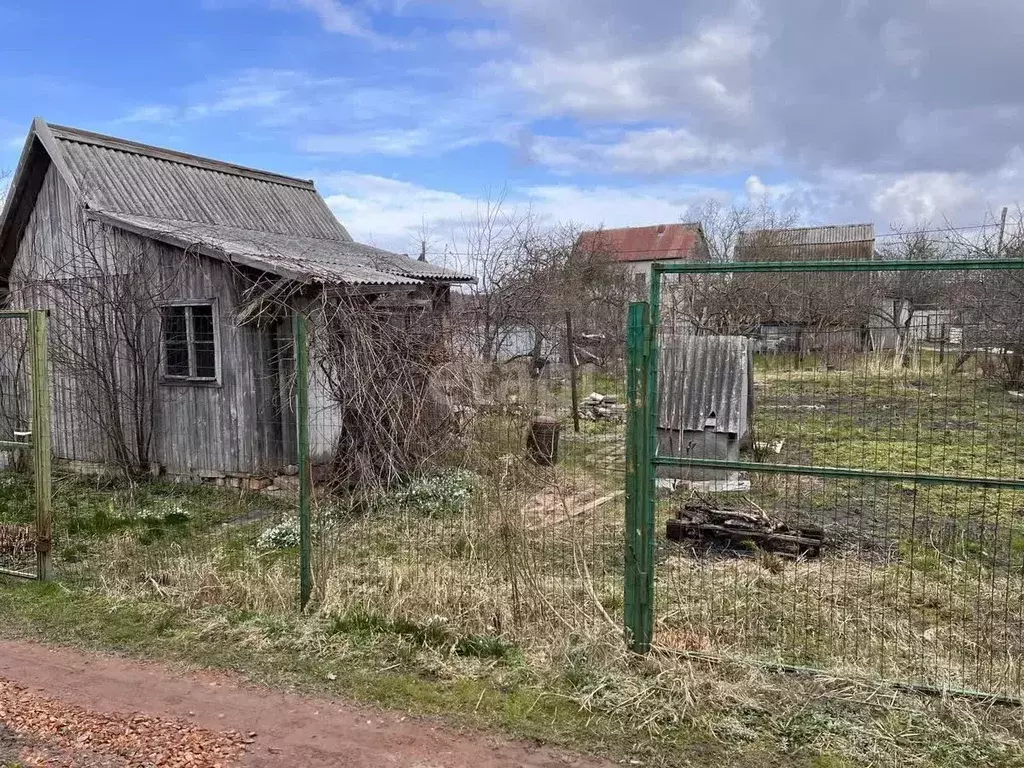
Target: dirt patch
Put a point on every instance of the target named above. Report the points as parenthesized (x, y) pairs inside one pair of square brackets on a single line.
[(554, 506), (283, 729)]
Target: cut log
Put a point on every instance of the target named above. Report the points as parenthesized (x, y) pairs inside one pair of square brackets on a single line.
[(701, 522)]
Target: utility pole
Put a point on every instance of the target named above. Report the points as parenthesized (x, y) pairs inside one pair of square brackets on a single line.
[(570, 351), (1002, 232)]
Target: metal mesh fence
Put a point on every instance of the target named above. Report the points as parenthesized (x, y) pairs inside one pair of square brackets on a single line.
[(511, 531), (847, 493), (480, 533), (854, 498), (17, 487)]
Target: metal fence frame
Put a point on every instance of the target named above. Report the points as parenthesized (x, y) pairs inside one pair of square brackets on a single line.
[(642, 447), (39, 444)]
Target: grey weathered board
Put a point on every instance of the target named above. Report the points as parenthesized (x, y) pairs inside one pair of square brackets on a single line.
[(234, 427)]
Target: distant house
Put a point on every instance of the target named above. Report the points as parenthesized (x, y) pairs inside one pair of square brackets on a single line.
[(234, 249), (843, 242), (810, 311), (637, 248)]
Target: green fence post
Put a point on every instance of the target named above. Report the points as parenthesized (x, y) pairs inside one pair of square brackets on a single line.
[(41, 431), (645, 591), (638, 580), (299, 324)]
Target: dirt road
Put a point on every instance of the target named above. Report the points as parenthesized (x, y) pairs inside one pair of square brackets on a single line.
[(123, 713)]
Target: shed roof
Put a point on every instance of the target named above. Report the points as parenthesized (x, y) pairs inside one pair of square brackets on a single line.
[(833, 242), (704, 375), (277, 223), (660, 242)]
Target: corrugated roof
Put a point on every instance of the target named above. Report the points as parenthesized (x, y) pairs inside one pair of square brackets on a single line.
[(661, 242), (125, 177), (230, 210), (843, 241), (704, 375), (292, 256)]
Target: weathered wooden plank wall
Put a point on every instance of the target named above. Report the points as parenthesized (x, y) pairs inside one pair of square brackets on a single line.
[(232, 427)]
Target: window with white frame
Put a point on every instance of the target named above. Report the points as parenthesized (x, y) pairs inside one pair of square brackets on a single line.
[(189, 341)]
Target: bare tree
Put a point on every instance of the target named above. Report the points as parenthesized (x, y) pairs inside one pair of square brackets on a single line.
[(990, 304), (900, 298), (105, 289), (381, 359), (528, 276), (728, 304)]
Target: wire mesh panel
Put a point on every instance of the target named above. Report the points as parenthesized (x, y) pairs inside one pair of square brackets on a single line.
[(839, 476), (173, 458), (483, 510), (17, 467)]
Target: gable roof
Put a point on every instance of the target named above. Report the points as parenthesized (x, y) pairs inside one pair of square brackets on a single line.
[(275, 223), (660, 242), (830, 243)]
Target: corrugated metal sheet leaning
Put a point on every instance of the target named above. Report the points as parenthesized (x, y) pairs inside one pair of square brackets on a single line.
[(706, 382), (705, 406)]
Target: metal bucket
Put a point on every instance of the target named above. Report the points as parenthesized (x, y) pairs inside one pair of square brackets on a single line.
[(543, 440)]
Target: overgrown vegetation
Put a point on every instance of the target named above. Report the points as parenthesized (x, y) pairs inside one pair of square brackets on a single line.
[(497, 594), (582, 692)]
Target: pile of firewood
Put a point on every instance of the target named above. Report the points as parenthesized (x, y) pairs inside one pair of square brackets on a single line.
[(702, 520)]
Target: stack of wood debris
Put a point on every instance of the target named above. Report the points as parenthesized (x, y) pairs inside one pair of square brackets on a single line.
[(704, 520), (598, 407)]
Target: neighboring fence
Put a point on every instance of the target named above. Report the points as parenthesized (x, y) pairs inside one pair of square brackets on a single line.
[(851, 499), (25, 505)]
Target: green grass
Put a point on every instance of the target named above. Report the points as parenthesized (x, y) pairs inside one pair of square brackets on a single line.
[(506, 611), (579, 693)]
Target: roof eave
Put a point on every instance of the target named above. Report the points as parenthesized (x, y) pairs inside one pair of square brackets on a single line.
[(40, 131), (261, 265)]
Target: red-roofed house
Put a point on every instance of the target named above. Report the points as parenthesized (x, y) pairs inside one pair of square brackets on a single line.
[(636, 248)]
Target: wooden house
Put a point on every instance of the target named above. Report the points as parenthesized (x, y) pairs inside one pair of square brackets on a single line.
[(96, 226), (810, 311)]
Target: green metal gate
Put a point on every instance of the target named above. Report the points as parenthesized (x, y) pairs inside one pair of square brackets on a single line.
[(26, 524), (896, 440)]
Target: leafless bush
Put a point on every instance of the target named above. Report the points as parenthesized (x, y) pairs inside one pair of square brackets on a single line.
[(383, 368), (105, 288), (529, 276)]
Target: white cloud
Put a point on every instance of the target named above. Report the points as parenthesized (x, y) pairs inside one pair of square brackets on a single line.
[(392, 213), (387, 142), (608, 71), (650, 152), (151, 113), (344, 19), (479, 39)]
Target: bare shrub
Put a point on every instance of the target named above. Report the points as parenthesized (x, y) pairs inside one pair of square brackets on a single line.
[(382, 368)]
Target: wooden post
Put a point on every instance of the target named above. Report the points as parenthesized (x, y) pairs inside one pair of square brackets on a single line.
[(299, 325), (1002, 232), (573, 383), (41, 431)]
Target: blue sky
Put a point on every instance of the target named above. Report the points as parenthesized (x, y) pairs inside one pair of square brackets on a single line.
[(613, 112)]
